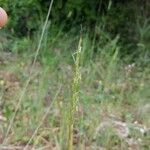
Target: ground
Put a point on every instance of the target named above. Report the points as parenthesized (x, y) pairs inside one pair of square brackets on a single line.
[(112, 111)]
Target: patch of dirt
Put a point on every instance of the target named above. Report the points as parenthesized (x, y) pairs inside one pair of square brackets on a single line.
[(122, 130)]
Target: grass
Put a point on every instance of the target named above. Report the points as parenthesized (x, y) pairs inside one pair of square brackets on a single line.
[(72, 103), (111, 93), (30, 76), (107, 88)]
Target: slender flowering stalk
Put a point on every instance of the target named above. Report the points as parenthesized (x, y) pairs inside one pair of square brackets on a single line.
[(74, 99)]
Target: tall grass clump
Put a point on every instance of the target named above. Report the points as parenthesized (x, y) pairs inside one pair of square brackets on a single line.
[(30, 76)]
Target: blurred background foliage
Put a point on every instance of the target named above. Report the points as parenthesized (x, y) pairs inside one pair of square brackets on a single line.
[(114, 66), (127, 19)]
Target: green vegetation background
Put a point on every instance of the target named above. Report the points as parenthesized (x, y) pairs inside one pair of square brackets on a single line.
[(114, 68), (101, 19)]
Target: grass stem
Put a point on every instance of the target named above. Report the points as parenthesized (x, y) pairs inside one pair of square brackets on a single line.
[(74, 99)]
